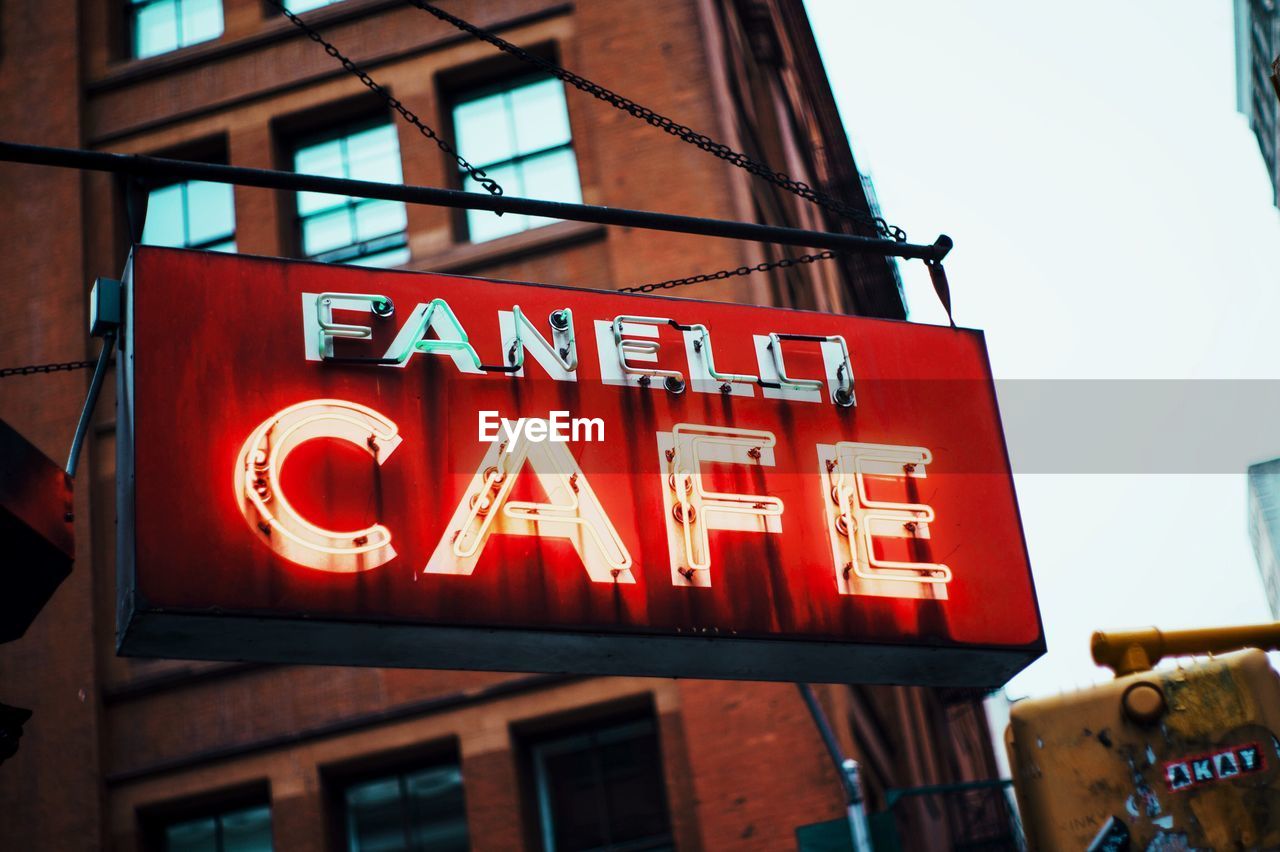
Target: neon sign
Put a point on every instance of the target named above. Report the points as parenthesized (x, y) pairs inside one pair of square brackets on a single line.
[(550, 479), (262, 499)]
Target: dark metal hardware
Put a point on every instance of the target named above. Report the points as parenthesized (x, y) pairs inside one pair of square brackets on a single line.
[(161, 167)]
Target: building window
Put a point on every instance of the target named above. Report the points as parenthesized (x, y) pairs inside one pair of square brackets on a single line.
[(602, 790), (300, 6), (519, 135), (341, 229), (247, 830), (160, 26), (419, 810), (194, 214)]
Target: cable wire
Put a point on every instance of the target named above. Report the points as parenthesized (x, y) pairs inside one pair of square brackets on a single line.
[(686, 134), (31, 369), (478, 175), (729, 273), (682, 132)]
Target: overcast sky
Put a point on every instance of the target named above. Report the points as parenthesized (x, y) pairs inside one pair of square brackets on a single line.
[(1113, 221)]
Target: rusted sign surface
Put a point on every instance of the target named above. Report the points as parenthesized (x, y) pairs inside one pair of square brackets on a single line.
[(330, 464)]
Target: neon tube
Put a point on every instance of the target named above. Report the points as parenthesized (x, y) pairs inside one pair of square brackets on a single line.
[(269, 512)]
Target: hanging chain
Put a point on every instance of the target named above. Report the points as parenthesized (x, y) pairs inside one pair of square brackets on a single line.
[(46, 368), (687, 134), (478, 175), (729, 273)]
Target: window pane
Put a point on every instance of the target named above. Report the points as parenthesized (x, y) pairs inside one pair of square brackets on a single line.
[(247, 831), (228, 246), (541, 117), (633, 790), (374, 154), (155, 28), (483, 129), (526, 128), (165, 224), (551, 177), (300, 6), (575, 796), (374, 816), (323, 159), (436, 809), (199, 835), (327, 231), (340, 229), (418, 811), (211, 211), (384, 259), (201, 21), (314, 202), (603, 791), (379, 218)]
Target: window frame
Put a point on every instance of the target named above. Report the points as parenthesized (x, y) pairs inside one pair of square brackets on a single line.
[(132, 8), (581, 735), (206, 149), (155, 819), (337, 779), (272, 11), (310, 136), (463, 87), (206, 245)]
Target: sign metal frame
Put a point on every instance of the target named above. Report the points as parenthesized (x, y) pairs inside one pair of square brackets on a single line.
[(147, 629)]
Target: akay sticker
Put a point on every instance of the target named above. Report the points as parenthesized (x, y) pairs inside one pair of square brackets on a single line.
[(1219, 766)]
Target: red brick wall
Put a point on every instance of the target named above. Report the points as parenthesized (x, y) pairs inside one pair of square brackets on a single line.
[(51, 791)]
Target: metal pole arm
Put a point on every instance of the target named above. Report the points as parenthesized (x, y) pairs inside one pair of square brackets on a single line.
[(163, 168), (1126, 652)]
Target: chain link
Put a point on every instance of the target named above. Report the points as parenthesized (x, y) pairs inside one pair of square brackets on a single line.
[(729, 273), (687, 134), (45, 368), (478, 175)]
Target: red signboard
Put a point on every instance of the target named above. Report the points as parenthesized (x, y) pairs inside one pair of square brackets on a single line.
[(337, 465)]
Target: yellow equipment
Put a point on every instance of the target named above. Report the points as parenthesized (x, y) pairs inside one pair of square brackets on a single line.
[(1177, 759)]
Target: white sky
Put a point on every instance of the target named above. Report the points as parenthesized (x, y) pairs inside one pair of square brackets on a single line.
[(1113, 220)]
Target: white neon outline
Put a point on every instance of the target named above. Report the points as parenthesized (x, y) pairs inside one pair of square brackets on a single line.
[(558, 472), (846, 381), (891, 516), (515, 353), (641, 347), (702, 337), (687, 482), (330, 329), (258, 469)]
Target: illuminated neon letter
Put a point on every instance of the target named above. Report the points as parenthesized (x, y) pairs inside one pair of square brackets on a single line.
[(559, 357), (574, 512), (268, 511), (703, 375), (618, 348), (778, 385), (855, 519), (320, 329), (692, 511)]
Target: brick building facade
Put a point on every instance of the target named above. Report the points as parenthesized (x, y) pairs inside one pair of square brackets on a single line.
[(133, 754)]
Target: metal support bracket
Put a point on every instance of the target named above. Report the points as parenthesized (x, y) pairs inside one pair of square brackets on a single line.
[(105, 316)]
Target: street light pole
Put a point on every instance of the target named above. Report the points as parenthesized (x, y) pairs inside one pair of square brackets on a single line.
[(848, 769)]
